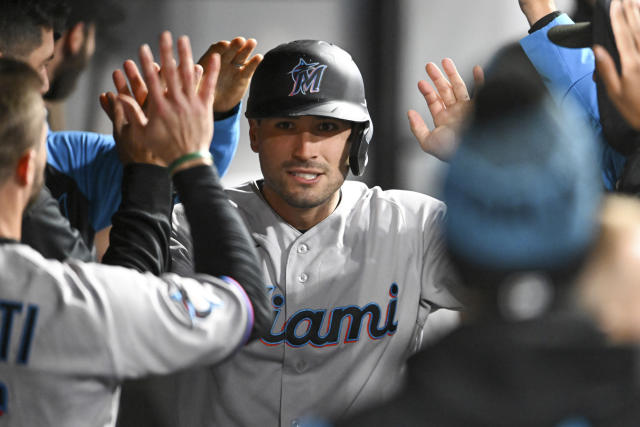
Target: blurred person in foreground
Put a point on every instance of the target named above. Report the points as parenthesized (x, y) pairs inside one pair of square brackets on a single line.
[(523, 197), (73, 331)]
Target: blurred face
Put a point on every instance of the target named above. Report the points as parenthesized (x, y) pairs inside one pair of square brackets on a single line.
[(304, 160), (73, 51), (40, 57)]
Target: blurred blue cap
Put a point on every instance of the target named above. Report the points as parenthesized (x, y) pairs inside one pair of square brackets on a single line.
[(523, 190)]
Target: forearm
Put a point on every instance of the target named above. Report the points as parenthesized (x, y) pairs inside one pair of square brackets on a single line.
[(222, 245), (139, 238), (225, 138)]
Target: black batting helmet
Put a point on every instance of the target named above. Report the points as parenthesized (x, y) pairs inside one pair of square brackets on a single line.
[(313, 77)]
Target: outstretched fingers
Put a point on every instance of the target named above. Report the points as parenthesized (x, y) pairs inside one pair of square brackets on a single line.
[(608, 72), (207, 88), (445, 90), (128, 111), (251, 65), (169, 67), (138, 86), (186, 68), (478, 76), (434, 101), (244, 51), (151, 76), (418, 127), (457, 84), (120, 82), (632, 13)]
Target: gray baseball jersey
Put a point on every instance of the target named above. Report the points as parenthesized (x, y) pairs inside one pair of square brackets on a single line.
[(351, 297), (71, 332)]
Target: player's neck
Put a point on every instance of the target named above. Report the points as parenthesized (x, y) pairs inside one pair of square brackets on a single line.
[(301, 218), (11, 209)]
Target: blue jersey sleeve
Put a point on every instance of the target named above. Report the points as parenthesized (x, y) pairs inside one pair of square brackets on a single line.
[(91, 161), (226, 134), (568, 73)]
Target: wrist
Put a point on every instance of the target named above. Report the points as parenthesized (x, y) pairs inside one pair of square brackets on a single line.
[(190, 160), (536, 10), (225, 114)]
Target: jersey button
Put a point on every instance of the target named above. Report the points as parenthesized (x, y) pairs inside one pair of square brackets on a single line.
[(303, 249), (301, 366), (303, 278)]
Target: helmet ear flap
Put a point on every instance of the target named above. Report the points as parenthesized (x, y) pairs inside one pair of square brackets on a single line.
[(360, 138)]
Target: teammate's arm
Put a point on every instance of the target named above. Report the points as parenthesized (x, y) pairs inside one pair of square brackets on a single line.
[(623, 88), (534, 10), (175, 127)]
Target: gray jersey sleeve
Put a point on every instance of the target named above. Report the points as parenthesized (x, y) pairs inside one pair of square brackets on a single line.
[(114, 322), (439, 284)]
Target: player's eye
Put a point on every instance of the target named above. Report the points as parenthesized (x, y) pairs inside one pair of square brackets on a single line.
[(327, 126), (285, 125)]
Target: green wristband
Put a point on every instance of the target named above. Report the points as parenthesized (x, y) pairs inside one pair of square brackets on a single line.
[(188, 157)]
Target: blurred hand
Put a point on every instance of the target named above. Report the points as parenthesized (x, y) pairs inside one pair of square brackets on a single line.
[(624, 88), (608, 285), (236, 70), (448, 106)]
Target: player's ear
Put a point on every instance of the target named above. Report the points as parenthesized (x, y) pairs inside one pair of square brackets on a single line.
[(254, 126), (74, 38), (25, 169)]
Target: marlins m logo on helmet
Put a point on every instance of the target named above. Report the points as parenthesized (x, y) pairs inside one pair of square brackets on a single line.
[(306, 77)]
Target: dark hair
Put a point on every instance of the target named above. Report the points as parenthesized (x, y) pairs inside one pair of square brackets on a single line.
[(21, 112), (104, 13), (511, 84), (22, 21)]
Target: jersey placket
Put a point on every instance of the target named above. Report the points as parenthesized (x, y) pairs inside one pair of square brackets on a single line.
[(299, 276)]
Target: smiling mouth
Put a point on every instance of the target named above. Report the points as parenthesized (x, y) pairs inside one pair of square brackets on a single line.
[(307, 176)]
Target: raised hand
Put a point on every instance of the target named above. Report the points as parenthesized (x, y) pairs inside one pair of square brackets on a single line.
[(448, 104), (624, 88), (534, 10), (236, 69), (177, 118)]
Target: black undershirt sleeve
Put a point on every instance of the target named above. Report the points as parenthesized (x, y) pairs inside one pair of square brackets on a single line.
[(139, 238), (222, 245), (544, 21), (46, 230)]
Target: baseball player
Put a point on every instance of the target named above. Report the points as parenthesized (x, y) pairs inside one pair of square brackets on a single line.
[(354, 272), (71, 332)]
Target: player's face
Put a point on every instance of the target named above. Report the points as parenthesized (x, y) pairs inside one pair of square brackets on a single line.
[(73, 51), (39, 58), (304, 160)]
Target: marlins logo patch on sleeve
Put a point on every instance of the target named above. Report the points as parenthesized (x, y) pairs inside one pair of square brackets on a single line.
[(196, 301)]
